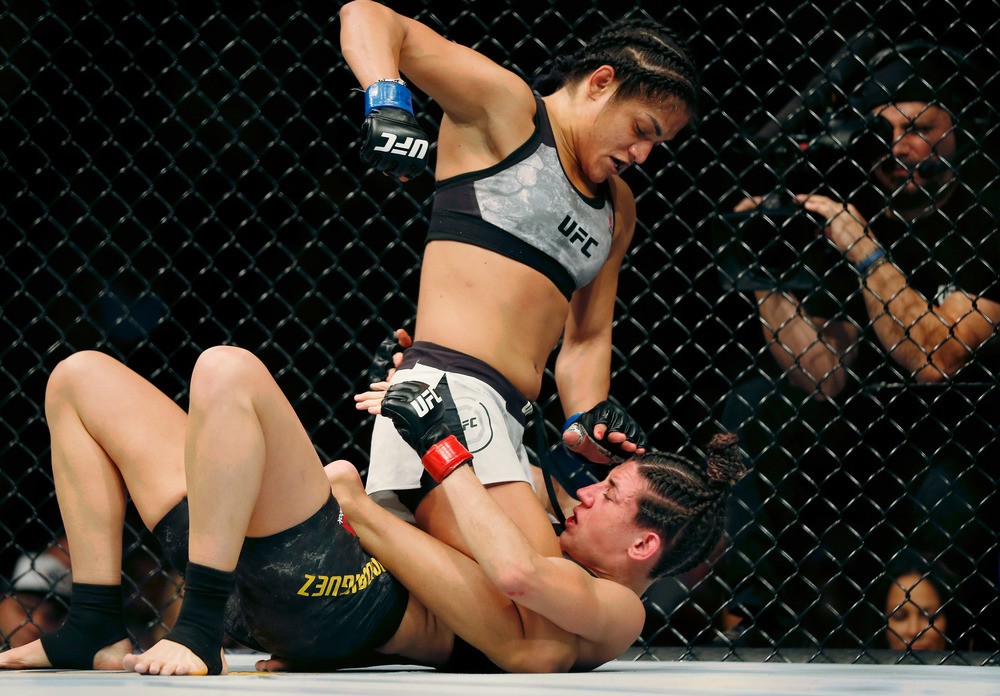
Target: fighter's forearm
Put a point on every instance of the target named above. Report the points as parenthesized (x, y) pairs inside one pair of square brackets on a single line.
[(500, 548), (371, 37), (583, 374), (451, 585)]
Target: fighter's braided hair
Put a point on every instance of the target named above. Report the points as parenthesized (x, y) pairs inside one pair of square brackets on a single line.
[(650, 61), (685, 502)]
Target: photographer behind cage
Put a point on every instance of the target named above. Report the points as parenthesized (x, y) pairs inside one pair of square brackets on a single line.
[(850, 427)]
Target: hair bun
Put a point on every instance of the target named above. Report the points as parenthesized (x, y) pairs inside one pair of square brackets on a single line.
[(559, 69), (725, 461)]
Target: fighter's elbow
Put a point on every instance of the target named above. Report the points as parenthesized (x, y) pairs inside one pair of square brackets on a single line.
[(536, 657), (516, 581), (360, 9), (349, 8), (353, 6)]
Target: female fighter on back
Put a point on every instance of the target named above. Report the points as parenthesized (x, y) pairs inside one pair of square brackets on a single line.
[(236, 494)]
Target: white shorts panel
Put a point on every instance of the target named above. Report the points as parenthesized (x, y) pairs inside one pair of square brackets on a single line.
[(493, 436)]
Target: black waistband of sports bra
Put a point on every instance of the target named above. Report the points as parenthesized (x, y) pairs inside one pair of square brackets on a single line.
[(441, 358), (454, 227)]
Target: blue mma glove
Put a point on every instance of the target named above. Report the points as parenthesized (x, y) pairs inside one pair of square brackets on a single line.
[(391, 139)]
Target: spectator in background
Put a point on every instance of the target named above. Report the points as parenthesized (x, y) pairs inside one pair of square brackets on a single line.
[(40, 594), (920, 610), (40, 588), (870, 418)]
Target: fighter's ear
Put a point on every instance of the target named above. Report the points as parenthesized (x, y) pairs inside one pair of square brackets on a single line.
[(601, 80), (645, 546)]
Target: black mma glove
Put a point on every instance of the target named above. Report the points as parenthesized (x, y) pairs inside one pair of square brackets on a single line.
[(602, 451), (427, 419), (391, 140), (382, 362)]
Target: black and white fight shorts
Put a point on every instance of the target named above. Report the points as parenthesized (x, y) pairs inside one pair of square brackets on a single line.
[(493, 414)]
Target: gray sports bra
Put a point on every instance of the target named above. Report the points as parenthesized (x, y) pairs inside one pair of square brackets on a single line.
[(527, 209)]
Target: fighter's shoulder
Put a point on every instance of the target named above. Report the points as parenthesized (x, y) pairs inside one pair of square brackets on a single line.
[(623, 201), (619, 616)]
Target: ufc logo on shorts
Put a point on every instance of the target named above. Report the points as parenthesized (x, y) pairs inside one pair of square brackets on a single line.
[(425, 402), (408, 147)]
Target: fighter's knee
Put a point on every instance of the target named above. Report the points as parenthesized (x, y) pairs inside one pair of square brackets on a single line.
[(337, 469), (70, 373), (223, 373)]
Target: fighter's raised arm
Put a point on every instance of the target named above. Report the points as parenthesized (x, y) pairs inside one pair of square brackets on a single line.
[(491, 103)]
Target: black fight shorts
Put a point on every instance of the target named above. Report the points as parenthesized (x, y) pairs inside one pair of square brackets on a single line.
[(309, 593)]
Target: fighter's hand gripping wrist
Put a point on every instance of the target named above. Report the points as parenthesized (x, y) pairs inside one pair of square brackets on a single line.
[(427, 419), (391, 139), (388, 355), (579, 436)]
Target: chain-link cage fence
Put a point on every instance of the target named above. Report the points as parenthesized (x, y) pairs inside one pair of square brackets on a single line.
[(181, 175)]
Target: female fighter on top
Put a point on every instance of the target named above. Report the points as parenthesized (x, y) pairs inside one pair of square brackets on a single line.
[(529, 227)]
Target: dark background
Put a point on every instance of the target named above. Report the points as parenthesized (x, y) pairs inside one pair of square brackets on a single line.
[(175, 175)]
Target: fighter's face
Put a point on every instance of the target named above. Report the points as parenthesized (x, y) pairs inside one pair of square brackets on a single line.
[(624, 132), (603, 524)]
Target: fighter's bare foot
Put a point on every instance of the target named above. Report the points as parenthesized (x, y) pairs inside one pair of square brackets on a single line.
[(273, 664), (28, 656), (32, 656), (166, 659)]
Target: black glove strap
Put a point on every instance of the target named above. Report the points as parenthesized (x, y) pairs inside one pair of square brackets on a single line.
[(542, 448)]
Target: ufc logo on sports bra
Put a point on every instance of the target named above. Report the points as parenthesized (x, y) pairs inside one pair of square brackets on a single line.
[(577, 235), (408, 147), (425, 402)]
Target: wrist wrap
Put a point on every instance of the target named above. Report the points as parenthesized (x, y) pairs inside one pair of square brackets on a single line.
[(444, 456), (388, 93), (571, 420)]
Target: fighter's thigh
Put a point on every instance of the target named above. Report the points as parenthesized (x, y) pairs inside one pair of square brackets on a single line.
[(293, 485), (139, 428)]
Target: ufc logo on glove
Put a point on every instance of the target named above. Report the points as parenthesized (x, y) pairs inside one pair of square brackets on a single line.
[(410, 147), (425, 401), (391, 139)]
